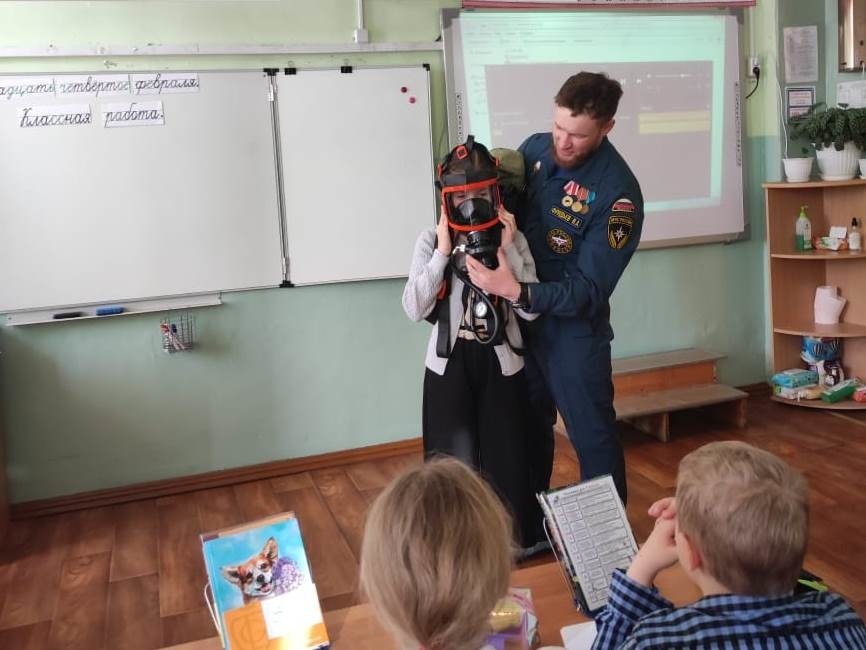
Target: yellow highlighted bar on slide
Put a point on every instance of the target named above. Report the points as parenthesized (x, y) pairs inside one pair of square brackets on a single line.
[(674, 122)]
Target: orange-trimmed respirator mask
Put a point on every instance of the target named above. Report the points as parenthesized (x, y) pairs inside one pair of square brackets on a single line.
[(467, 179)]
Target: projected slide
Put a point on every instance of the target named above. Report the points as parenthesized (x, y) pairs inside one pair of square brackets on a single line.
[(677, 124), (666, 106)]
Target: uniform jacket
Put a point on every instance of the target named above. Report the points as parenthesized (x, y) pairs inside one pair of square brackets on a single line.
[(583, 225)]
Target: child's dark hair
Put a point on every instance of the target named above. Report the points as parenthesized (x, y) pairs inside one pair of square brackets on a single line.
[(593, 93)]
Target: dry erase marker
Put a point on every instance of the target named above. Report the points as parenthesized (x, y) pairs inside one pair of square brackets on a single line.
[(109, 310), (68, 314)]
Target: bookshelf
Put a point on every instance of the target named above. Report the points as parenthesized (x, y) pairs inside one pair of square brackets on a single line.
[(795, 275)]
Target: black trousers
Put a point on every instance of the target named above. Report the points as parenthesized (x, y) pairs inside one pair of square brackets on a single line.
[(476, 414)]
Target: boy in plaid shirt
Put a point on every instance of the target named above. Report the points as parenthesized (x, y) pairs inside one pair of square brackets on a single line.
[(738, 526)]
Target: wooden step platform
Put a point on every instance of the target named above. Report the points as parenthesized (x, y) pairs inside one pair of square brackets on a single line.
[(650, 387)]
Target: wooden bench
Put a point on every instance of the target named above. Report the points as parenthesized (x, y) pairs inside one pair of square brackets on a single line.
[(649, 387)]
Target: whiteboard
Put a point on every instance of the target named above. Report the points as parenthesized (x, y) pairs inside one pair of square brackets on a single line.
[(357, 165), (90, 214)]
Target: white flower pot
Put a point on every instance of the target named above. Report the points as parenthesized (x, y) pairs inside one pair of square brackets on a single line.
[(838, 165), (797, 170)]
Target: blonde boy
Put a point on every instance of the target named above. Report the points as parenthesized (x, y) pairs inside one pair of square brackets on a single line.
[(739, 527)]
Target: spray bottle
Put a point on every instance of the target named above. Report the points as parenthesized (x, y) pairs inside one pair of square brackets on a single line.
[(855, 242), (803, 230)]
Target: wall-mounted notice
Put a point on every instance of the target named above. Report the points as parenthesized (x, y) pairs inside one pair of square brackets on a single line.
[(158, 83), (801, 54), (62, 115), (26, 87), (92, 85), (852, 93), (133, 114), (800, 100)]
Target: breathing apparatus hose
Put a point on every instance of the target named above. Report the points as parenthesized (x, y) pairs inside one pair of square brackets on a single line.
[(478, 294)]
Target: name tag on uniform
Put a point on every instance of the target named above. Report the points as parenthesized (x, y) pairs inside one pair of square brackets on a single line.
[(568, 217)]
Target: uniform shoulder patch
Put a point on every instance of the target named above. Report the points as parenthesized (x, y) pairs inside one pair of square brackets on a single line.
[(620, 223), (623, 205)]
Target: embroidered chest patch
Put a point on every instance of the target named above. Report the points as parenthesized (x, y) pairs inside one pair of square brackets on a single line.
[(559, 241)]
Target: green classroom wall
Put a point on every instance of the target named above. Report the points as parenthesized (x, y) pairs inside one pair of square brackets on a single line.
[(289, 373)]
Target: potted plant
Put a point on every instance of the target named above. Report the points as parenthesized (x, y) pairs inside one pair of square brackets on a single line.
[(838, 135)]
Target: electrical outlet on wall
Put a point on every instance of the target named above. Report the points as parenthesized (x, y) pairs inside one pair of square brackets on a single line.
[(753, 65)]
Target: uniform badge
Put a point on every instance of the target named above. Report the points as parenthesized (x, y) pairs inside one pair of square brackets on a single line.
[(623, 205), (619, 230), (559, 241), (620, 223), (536, 166)]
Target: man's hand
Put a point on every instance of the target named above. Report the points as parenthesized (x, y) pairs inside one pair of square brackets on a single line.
[(443, 235), (658, 552), (499, 281)]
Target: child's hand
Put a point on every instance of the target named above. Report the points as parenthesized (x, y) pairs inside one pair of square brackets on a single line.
[(658, 552), (508, 226), (665, 508), (443, 235)]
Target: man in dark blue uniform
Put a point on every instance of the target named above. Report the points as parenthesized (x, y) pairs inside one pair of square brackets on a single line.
[(582, 215)]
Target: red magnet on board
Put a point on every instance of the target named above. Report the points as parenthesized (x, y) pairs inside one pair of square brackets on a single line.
[(411, 100), (403, 89)]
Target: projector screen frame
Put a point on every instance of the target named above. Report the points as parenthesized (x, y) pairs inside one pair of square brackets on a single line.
[(455, 103)]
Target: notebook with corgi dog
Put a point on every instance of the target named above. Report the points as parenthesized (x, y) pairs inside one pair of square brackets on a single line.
[(262, 592)]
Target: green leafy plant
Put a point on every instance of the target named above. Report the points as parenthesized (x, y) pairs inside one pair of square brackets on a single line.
[(832, 126)]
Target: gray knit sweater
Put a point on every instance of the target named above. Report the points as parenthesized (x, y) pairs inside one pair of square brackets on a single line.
[(425, 277)]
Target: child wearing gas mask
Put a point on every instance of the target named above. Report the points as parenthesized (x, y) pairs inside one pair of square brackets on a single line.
[(476, 404)]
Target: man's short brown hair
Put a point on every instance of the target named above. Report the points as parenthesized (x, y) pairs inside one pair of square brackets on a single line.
[(748, 513), (593, 93)]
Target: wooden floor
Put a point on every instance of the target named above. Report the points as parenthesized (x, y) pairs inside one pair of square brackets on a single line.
[(131, 576)]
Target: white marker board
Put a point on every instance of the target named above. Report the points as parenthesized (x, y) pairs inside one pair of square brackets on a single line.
[(184, 202), (357, 168)]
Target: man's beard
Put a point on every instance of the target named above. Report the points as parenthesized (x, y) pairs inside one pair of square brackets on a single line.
[(563, 164), (578, 160)]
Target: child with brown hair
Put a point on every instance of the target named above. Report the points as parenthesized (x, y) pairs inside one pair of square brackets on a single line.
[(436, 556), (738, 526)]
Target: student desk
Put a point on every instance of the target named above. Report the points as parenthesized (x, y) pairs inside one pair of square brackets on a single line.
[(356, 628)]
